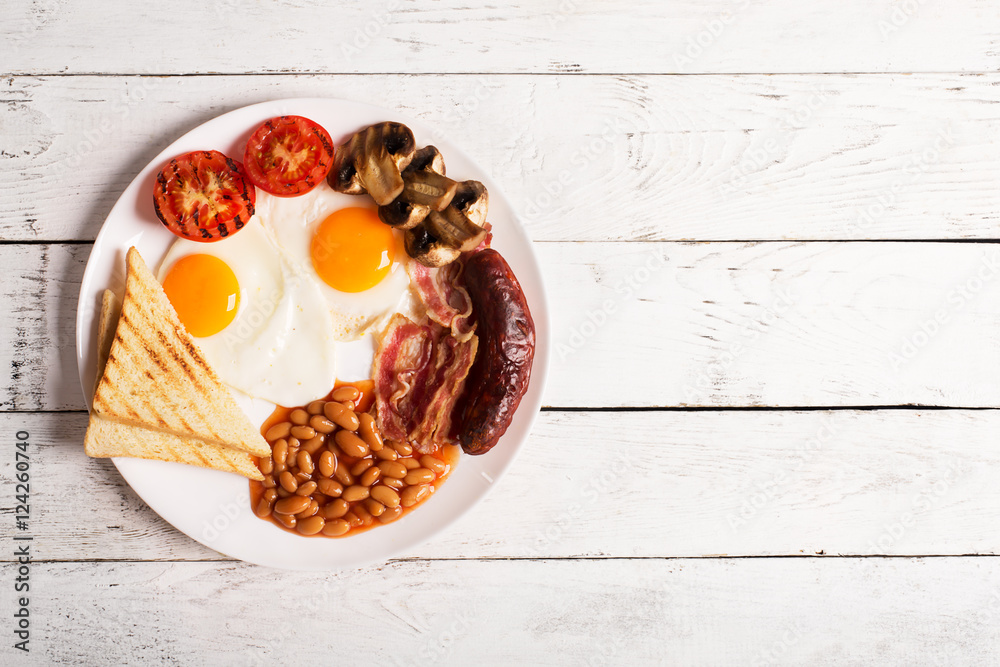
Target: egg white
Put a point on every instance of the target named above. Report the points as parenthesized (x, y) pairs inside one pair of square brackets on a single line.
[(293, 222), (279, 347)]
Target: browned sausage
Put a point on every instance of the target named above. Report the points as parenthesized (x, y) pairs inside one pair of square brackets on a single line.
[(500, 374)]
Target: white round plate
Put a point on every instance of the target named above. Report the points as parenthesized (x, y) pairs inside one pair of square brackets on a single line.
[(214, 507)]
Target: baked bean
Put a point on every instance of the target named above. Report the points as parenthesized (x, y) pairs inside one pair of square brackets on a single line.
[(306, 489), (282, 493), (316, 407), (303, 432), (374, 507), (393, 469), (386, 454), (311, 526), (354, 493), (293, 445), (369, 432), (299, 417), (279, 453), (371, 476), (385, 495), (266, 465), (362, 513), (270, 495), (403, 448), (351, 444), (341, 415), (437, 466), (269, 482), (394, 483), (309, 511), (410, 463), (313, 445), (334, 509), (305, 462), (336, 528), (263, 509), (330, 487), (414, 494), (419, 476), (301, 477), (361, 466), (321, 424), (353, 519), (278, 431), (343, 475), (288, 482), (346, 394), (291, 505), (327, 463), (390, 514), (286, 520)]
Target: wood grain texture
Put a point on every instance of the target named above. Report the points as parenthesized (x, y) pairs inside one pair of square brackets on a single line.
[(667, 324), (645, 612), (649, 484), (582, 158), (572, 36)]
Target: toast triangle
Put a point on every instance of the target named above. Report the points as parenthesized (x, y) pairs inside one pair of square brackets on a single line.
[(156, 377), (106, 438)]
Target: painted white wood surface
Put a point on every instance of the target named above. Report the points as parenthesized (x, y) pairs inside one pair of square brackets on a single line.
[(832, 121), (813, 611), (620, 485), (592, 158), (571, 36), (666, 324)]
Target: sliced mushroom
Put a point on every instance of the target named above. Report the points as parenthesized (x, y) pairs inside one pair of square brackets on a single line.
[(371, 161), (472, 199), (402, 214), (344, 177), (429, 158), (455, 229), (424, 247), (425, 187)]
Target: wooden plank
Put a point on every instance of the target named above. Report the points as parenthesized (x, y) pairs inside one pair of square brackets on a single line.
[(666, 324), (648, 484), (551, 36), (593, 612), (655, 158)]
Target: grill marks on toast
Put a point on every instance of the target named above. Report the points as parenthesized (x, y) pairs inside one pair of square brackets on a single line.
[(108, 438), (186, 397)]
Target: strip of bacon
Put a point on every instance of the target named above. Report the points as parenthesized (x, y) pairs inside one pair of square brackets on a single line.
[(419, 373), (447, 303)]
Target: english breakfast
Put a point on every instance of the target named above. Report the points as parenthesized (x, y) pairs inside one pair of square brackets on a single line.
[(282, 283)]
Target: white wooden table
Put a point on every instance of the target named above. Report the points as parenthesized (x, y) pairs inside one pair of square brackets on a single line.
[(769, 235)]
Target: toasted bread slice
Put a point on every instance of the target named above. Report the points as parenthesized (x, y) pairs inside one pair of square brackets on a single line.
[(107, 438), (111, 309), (157, 378)]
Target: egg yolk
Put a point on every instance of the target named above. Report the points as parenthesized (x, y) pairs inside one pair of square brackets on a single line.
[(352, 250), (204, 292)]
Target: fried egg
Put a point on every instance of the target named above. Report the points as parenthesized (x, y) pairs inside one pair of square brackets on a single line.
[(338, 241), (263, 326)]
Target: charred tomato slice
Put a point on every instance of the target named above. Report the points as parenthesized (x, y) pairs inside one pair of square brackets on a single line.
[(288, 155), (203, 196)]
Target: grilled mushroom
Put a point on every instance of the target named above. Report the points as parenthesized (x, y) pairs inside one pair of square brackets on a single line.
[(424, 247), (371, 161), (425, 188), (343, 176), (472, 199), (455, 229), (460, 225)]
